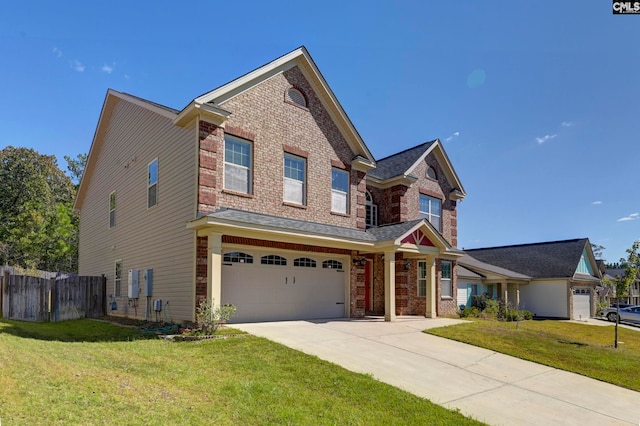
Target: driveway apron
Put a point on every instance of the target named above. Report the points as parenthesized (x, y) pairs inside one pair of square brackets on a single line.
[(492, 387)]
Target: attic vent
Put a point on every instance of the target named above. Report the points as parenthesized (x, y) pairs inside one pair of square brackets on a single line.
[(295, 96), (431, 173)]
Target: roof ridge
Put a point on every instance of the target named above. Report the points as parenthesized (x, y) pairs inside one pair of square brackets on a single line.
[(408, 149), (528, 244)]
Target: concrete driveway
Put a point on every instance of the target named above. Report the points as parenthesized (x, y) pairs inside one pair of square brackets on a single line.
[(495, 388)]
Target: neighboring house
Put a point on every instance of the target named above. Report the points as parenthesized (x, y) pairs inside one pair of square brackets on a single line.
[(552, 279), (262, 194), (613, 274)]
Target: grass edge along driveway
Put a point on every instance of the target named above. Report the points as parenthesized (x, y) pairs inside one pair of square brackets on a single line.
[(579, 348), (88, 372)]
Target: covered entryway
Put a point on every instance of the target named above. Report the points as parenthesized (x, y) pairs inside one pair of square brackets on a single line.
[(581, 303), (279, 285)]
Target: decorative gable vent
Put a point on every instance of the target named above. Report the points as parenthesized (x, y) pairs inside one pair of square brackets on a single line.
[(295, 96)]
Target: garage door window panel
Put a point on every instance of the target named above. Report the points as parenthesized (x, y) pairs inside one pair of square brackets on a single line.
[(273, 259), (331, 264), (237, 257), (304, 262)]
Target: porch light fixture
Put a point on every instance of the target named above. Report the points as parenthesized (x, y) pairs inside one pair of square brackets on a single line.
[(360, 262), (407, 265)]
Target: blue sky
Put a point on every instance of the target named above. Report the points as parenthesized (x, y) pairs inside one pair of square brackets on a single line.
[(537, 103)]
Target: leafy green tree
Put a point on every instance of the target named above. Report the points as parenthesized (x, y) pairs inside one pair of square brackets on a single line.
[(76, 166), (38, 228), (631, 266)]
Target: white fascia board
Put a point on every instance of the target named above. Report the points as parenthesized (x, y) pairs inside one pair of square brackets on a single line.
[(210, 113), (447, 167)]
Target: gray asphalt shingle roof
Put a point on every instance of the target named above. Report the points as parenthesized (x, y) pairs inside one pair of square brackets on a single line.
[(474, 264), (398, 164), (557, 259), (381, 233)]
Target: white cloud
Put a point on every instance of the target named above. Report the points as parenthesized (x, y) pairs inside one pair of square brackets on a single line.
[(108, 68), (632, 216), (545, 138), (567, 124), (77, 65), (597, 203), (57, 52), (454, 135)]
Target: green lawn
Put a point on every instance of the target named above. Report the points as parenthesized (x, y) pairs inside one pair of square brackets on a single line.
[(87, 372), (580, 348)]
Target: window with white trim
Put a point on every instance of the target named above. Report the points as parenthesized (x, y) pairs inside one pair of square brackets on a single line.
[(446, 289), (112, 209), (237, 164), (431, 209), (152, 183), (422, 278), (294, 179), (339, 191), (371, 215), (117, 279)]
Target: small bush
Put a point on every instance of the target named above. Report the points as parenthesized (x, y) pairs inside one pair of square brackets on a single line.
[(210, 317)]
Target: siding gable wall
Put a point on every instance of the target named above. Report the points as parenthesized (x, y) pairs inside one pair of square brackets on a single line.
[(143, 238)]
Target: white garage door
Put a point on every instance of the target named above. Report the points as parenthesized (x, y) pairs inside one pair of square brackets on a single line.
[(581, 303), (275, 286)]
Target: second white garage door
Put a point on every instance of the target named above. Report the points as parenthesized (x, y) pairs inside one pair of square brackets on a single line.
[(276, 286)]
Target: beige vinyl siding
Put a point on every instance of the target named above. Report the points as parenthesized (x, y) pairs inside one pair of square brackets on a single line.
[(143, 238)]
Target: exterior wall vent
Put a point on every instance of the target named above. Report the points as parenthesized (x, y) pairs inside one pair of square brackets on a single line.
[(295, 96)]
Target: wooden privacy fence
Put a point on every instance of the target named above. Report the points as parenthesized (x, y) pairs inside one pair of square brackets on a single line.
[(29, 298)]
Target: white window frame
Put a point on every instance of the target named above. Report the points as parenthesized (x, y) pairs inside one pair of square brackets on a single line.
[(422, 278), (339, 195), (230, 164), (430, 214), (446, 283), (112, 210), (152, 184), (294, 182), (117, 278)]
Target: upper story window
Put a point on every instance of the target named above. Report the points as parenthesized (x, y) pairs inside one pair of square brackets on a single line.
[(339, 191), (112, 209), (294, 179), (237, 164), (431, 209), (117, 278), (295, 96), (446, 288), (152, 183), (431, 173), (371, 215)]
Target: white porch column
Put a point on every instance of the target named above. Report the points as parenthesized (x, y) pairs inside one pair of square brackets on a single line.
[(431, 309), (518, 296), (504, 288), (390, 285), (214, 268)]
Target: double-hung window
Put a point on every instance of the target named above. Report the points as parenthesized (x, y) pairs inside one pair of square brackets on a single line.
[(431, 209), (152, 184), (339, 191), (112, 209), (237, 164), (446, 289), (294, 179)]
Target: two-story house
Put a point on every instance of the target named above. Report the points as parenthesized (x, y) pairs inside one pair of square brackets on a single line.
[(262, 194)]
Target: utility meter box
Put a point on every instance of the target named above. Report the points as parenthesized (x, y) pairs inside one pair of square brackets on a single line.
[(134, 284), (157, 305), (148, 282)]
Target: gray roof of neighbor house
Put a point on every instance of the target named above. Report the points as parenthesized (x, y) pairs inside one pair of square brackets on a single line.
[(467, 273), (474, 264), (381, 233), (612, 272), (556, 259), (398, 164)]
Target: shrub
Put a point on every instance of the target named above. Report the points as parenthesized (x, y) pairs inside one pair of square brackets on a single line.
[(210, 317)]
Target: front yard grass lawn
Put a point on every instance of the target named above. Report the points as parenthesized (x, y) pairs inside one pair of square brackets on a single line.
[(89, 372), (579, 348)]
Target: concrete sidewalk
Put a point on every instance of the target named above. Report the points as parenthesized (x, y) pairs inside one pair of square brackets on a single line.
[(495, 388)]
